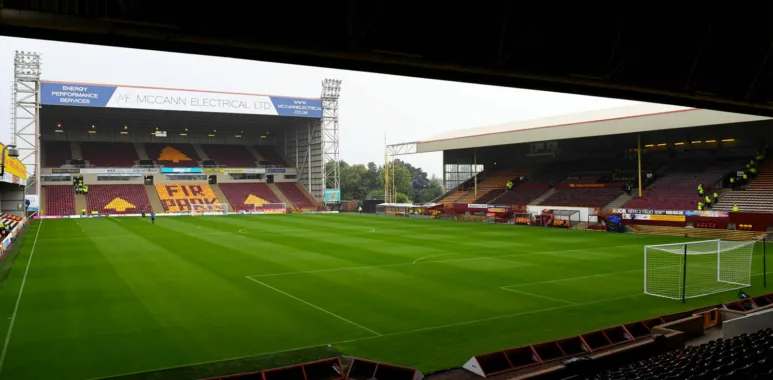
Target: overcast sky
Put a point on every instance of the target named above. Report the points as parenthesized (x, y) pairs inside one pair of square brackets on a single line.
[(371, 106)]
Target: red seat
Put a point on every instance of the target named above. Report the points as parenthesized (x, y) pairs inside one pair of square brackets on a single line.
[(56, 153), (239, 194), (295, 195), (109, 155), (270, 154), (235, 156), (118, 199), (60, 200), (173, 155)]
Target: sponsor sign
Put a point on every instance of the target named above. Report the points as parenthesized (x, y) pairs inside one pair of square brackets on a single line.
[(646, 212), (234, 171), (707, 214), (182, 170), (14, 166), (275, 170), (655, 217), (89, 95), (118, 171), (332, 196), (587, 185), (668, 218), (66, 171), (476, 205), (499, 208), (34, 200)]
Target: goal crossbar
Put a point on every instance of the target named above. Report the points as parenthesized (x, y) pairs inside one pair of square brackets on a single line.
[(696, 269), (209, 209)]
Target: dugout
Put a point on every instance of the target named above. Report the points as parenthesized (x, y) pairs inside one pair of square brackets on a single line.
[(399, 209), (12, 199), (558, 218)]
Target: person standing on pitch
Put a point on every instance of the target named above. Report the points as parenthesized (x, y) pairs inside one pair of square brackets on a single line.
[(152, 217)]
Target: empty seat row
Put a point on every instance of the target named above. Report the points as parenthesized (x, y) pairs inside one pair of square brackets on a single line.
[(747, 357), (122, 154)]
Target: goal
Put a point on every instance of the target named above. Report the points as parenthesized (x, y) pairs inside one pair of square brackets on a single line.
[(270, 208), (209, 209), (696, 269)]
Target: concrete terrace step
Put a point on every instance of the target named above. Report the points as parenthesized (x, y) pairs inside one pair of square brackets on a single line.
[(155, 200)]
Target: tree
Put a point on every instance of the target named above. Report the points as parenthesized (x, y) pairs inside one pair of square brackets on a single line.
[(432, 191), (353, 184), (360, 182)]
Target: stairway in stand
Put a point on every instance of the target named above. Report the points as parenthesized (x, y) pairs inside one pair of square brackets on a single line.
[(619, 202), (764, 179), (80, 204), (155, 201), (279, 194), (42, 201), (221, 196)]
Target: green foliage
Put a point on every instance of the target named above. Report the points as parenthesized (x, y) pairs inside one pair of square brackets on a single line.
[(359, 182)]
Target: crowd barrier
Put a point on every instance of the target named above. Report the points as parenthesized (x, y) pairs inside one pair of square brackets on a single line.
[(332, 369)]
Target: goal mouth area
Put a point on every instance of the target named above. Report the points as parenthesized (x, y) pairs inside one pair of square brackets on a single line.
[(697, 268), (209, 209)]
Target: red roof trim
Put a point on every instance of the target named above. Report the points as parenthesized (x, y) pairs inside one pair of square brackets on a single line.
[(562, 125)]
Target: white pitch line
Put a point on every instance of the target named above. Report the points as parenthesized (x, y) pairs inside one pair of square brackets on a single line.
[(438, 261), (538, 296), (427, 257), (18, 299), (241, 231), (315, 306), (573, 278), (492, 318), (387, 335)]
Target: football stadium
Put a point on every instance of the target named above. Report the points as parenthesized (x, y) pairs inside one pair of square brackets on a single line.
[(185, 234)]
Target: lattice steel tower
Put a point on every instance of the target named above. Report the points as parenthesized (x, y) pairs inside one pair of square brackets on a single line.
[(331, 89), (25, 116)]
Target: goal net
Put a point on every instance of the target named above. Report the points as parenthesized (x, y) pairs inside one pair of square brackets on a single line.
[(696, 269), (270, 208), (209, 209)]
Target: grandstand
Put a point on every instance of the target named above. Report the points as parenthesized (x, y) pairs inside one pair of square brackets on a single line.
[(141, 149), (588, 161)]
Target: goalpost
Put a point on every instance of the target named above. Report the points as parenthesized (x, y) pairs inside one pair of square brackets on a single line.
[(269, 208), (696, 269), (209, 209)]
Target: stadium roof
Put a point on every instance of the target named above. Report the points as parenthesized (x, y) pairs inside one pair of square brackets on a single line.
[(642, 117), (717, 57)]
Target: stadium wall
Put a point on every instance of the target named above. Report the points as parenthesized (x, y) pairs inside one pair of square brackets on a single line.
[(12, 199), (304, 147)]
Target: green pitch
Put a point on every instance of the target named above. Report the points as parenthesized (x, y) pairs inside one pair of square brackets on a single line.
[(109, 297)]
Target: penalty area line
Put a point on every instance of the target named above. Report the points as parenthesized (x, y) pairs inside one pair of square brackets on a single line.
[(538, 296), (18, 299), (417, 262), (315, 306)]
